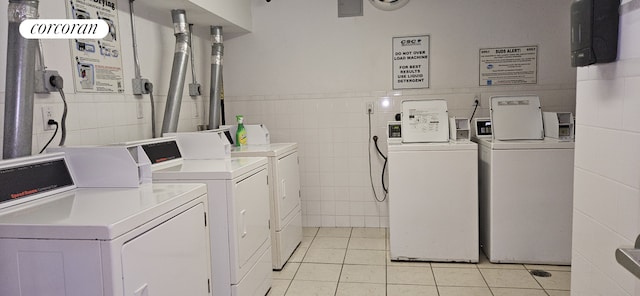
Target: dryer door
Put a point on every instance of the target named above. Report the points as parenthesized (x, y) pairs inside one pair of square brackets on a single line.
[(170, 259), (288, 188), (251, 219)]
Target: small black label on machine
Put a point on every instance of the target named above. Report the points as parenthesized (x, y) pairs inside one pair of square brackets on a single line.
[(162, 151)]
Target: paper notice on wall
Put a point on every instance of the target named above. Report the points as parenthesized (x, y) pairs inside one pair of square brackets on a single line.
[(411, 62), (509, 65), (97, 63)]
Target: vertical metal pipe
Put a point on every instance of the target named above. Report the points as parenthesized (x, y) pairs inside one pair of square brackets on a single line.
[(135, 43), (178, 71), (215, 91), (20, 80)]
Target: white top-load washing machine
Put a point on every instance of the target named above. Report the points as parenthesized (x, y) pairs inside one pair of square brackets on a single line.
[(433, 189), (284, 193), (238, 205), (62, 240), (526, 187)]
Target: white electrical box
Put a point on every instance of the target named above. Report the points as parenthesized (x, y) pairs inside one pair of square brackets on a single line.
[(481, 128), (559, 125), (460, 129), (516, 118), (425, 121)]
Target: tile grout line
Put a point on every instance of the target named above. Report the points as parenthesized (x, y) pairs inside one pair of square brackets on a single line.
[(335, 293), (483, 278), (301, 260)]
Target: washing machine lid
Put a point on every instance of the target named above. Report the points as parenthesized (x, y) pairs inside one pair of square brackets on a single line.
[(546, 143), (516, 118), (210, 169), (266, 150), (94, 213), (448, 146)]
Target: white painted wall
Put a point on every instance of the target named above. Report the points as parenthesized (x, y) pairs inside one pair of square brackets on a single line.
[(607, 168), (308, 74), (106, 118)]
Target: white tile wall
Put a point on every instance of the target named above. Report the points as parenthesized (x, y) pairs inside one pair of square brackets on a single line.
[(332, 133), (607, 169)]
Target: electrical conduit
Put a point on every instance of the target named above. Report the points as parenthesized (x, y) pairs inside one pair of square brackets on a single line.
[(215, 92), (178, 71), (20, 80)]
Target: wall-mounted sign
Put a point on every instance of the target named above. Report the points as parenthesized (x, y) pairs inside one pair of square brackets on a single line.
[(411, 62), (97, 62), (509, 65)]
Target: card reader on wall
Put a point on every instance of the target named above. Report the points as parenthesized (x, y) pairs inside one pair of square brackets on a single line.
[(594, 31)]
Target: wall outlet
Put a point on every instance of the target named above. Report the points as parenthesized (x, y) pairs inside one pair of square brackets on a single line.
[(48, 113), (368, 108), (475, 99)]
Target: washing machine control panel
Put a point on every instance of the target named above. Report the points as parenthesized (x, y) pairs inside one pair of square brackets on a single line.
[(29, 180)]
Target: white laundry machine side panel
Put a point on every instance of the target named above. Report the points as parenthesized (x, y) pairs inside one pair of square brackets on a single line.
[(249, 223), (433, 205), (285, 241), (171, 259), (484, 200), (531, 200), (50, 267)]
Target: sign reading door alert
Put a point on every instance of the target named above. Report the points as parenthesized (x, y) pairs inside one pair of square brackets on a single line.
[(411, 62), (98, 62)]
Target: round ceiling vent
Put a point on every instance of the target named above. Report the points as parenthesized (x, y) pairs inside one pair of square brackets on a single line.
[(388, 4)]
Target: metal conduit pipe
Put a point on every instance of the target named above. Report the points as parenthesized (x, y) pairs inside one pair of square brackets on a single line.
[(215, 91), (178, 71), (20, 80)]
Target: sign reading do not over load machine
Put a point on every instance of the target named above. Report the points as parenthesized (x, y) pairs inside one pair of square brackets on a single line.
[(411, 62)]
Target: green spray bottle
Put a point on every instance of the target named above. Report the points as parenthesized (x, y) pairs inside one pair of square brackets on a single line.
[(241, 133)]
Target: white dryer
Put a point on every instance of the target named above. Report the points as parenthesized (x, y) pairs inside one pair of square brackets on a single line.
[(284, 193), (238, 206), (433, 202), (60, 240)]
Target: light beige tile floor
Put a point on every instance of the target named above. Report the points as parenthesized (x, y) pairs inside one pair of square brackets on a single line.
[(355, 261)]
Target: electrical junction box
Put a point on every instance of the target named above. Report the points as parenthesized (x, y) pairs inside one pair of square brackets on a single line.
[(425, 121), (594, 31), (559, 125), (459, 129), (481, 128)]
